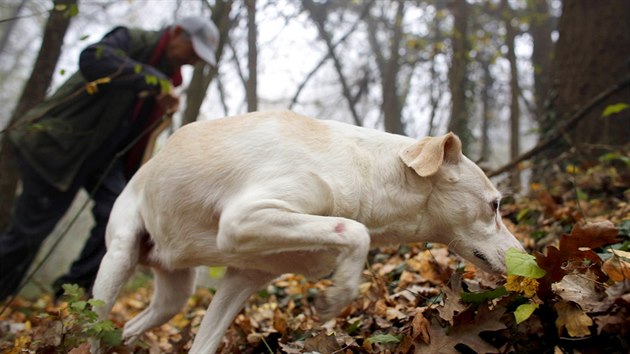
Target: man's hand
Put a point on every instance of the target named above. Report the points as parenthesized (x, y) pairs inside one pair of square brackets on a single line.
[(168, 102)]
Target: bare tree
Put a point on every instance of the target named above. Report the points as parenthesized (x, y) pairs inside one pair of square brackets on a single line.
[(34, 92), (458, 73), (203, 74), (435, 86), (252, 57), (318, 13), (540, 28), (487, 114), (389, 67), (591, 58), (515, 111), (328, 56)]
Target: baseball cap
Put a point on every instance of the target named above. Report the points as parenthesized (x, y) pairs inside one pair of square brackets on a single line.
[(204, 35)]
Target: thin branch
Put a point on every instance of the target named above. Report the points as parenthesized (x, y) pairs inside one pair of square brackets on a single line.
[(317, 17), (3, 20), (222, 96), (327, 56), (569, 125), (237, 63)]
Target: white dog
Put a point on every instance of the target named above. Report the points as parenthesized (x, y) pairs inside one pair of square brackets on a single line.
[(276, 192)]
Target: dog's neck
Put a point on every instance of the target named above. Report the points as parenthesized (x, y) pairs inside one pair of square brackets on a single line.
[(394, 216)]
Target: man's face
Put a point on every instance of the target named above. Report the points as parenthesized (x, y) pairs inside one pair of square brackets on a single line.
[(179, 50)]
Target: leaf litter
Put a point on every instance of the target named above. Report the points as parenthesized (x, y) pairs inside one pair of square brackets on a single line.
[(571, 296)]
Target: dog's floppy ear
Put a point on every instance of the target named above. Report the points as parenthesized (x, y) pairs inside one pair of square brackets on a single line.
[(429, 153)]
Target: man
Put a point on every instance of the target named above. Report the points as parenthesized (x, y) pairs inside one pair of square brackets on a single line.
[(123, 88)]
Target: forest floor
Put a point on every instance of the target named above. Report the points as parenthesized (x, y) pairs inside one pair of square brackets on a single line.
[(571, 296)]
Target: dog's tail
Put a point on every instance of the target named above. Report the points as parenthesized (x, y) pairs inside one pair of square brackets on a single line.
[(124, 234)]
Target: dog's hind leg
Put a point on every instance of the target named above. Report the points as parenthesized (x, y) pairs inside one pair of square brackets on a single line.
[(124, 234), (272, 226), (235, 288), (172, 289)]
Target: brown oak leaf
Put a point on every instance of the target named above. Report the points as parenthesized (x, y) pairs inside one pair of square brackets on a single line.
[(453, 304), (575, 321), (582, 289), (321, 343), (575, 254), (466, 331), (616, 267)]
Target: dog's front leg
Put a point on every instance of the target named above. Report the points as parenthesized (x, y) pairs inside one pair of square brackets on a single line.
[(269, 226), (235, 287)]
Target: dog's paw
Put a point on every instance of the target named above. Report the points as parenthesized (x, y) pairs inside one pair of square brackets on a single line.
[(95, 346), (330, 302), (130, 340)]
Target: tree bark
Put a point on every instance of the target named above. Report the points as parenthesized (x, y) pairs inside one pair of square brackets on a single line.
[(252, 57), (435, 86), (458, 73), (328, 55), (591, 55), (391, 100), (540, 29), (34, 92), (203, 74), (487, 107), (515, 111), (318, 14), (389, 68)]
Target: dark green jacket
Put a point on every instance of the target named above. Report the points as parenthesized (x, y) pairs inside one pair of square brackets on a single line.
[(58, 135)]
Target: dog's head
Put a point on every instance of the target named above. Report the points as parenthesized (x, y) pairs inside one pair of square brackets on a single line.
[(463, 206)]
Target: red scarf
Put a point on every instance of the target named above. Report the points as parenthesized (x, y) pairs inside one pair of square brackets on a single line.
[(134, 156)]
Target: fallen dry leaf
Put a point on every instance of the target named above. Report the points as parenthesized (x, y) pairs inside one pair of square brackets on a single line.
[(594, 234), (610, 323), (420, 328), (575, 321), (292, 349), (432, 265), (321, 343), (616, 267), (82, 349), (582, 289), (453, 304), (575, 253), (466, 331)]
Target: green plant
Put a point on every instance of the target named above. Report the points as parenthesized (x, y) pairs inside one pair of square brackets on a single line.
[(81, 320)]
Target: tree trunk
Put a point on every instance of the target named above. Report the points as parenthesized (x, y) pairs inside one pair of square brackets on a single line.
[(391, 101), (34, 92), (318, 15), (203, 74), (540, 29), (252, 57), (389, 67), (321, 63), (591, 55), (458, 73), (487, 106), (435, 86), (515, 111)]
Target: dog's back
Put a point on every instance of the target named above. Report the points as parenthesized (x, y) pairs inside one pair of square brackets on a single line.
[(205, 165)]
